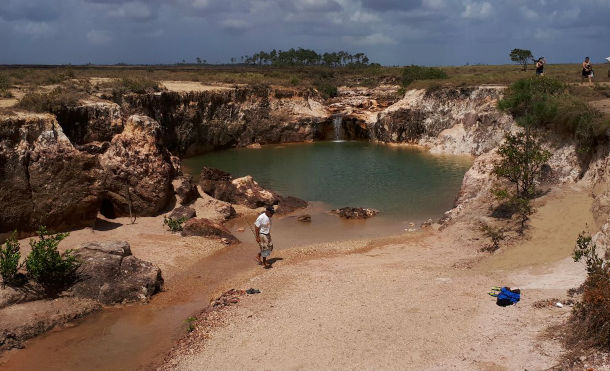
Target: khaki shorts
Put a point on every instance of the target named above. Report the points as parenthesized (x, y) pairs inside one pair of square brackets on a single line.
[(265, 244)]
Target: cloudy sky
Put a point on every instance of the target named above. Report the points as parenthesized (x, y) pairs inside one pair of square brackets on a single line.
[(391, 32)]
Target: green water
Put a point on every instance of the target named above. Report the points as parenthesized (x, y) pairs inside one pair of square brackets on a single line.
[(400, 182)]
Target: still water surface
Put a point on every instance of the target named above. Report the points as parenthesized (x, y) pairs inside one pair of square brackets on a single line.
[(401, 182)]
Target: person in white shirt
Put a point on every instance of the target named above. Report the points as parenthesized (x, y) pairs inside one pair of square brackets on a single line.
[(263, 236)]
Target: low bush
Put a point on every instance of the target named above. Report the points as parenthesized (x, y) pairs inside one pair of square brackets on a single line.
[(174, 225), (589, 325), (66, 95), (326, 89), (53, 101), (9, 260), (138, 85), (60, 76), (45, 265), (543, 102), (412, 73)]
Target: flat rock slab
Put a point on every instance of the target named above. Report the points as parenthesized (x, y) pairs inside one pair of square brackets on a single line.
[(183, 212), (119, 248), (206, 228), (21, 322)]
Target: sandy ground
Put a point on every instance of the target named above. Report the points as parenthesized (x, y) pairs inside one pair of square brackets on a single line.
[(408, 303)]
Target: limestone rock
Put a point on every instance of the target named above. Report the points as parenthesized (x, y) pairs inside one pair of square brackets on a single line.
[(110, 274), (44, 179), (243, 191), (90, 121), (183, 212), (137, 167), (185, 189), (355, 212), (207, 228)]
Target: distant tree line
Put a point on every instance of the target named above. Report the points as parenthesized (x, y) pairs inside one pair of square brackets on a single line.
[(305, 57)]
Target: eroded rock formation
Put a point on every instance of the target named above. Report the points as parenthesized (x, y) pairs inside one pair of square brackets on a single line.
[(355, 212), (110, 274), (43, 178)]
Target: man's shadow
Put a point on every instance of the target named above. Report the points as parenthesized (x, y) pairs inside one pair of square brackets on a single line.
[(273, 260)]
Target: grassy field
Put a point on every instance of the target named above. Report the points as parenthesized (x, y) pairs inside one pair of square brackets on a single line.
[(288, 76)]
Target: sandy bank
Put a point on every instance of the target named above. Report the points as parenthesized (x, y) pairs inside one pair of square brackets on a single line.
[(407, 303)]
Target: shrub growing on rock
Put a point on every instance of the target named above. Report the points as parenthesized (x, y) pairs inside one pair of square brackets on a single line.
[(9, 260), (45, 265)]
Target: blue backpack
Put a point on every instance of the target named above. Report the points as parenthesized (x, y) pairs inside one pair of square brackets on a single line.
[(507, 297)]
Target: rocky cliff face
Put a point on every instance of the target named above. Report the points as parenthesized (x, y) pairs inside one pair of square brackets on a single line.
[(444, 120), (46, 180), (43, 178), (101, 156), (196, 122)]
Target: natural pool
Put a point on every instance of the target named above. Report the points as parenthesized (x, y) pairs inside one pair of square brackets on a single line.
[(406, 184)]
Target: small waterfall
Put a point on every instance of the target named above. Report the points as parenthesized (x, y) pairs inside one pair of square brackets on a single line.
[(338, 126)]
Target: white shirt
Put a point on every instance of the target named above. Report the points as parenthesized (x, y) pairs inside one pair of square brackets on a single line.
[(264, 223)]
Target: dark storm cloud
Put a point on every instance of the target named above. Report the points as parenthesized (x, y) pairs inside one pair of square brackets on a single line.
[(11, 10), (391, 5), (389, 31)]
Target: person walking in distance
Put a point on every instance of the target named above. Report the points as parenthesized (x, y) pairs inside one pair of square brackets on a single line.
[(262, 233)]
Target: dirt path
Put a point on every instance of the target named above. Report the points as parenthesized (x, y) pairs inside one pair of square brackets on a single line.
[(402, 305)]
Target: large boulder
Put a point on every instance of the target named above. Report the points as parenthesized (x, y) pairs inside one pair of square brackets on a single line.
[(185, 190), (206, 228), (355, 212), (44, 180), (110, 274), (242, 191), (137, 169)]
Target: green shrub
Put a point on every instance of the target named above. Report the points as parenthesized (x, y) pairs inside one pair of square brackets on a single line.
[(45, 265), (174, 225), (9, 259), (190, 323), (294, 81), (521, 158), (326, 88), (412, 73), (590, 320), (140, 85), (53, 101), (543, 102), (5, 85)]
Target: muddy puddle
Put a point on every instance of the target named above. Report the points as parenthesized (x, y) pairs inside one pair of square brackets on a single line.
[(136, 336)]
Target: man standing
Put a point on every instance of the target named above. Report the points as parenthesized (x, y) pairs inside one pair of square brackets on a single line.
[(263, 235)]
